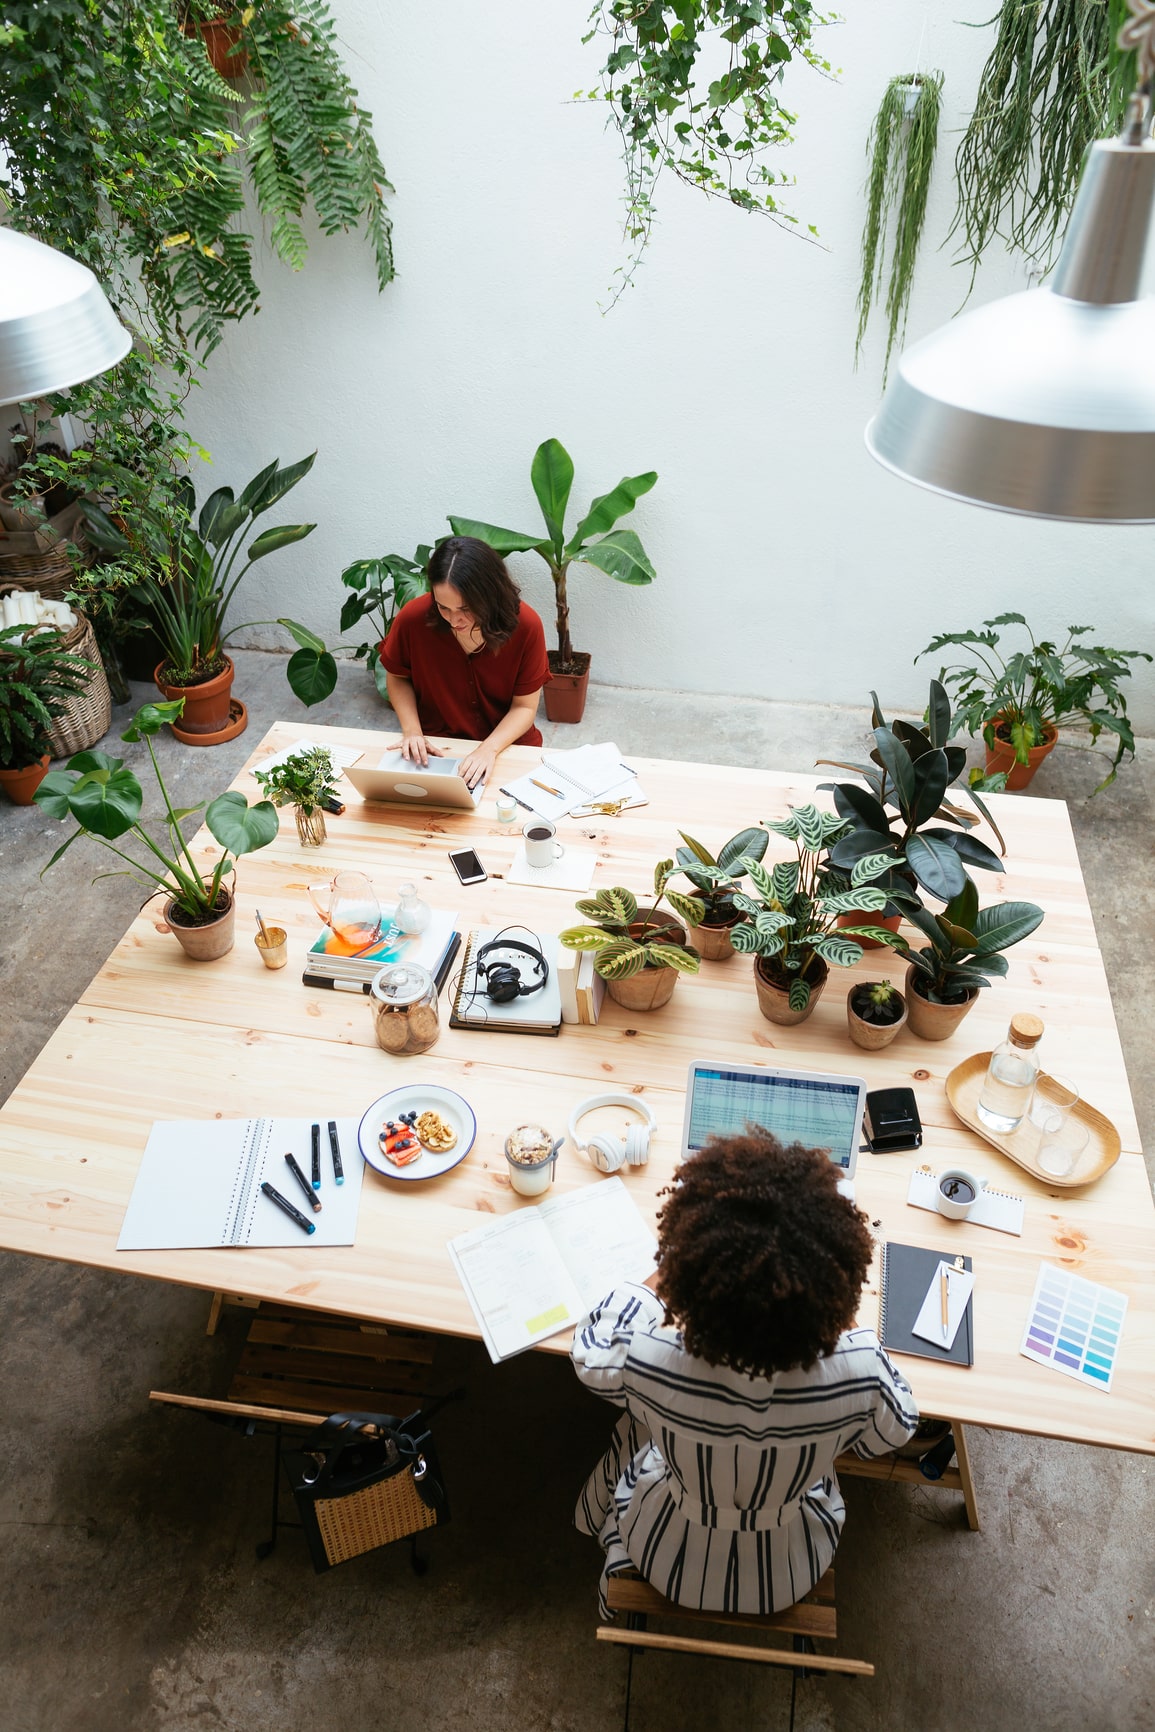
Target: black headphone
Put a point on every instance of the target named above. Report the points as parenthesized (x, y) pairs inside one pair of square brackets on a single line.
[(503, 981)]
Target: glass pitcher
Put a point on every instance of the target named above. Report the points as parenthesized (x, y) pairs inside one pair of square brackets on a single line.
[(350, 909)]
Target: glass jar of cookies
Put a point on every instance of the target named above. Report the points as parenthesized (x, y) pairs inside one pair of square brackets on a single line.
[(403, 998)]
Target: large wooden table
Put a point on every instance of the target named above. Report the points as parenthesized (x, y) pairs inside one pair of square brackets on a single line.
[(156, 1036)]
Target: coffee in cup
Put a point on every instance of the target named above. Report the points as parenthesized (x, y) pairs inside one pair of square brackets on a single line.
[(541, 845), (955, 1193)]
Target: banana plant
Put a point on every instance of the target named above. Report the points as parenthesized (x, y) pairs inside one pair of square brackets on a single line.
[(926, 837), (791, 919), (966, 944), (105, 801), (623, 944), (594, 541)]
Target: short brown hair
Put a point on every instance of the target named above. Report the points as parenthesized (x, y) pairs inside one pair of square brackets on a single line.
[(486, 588), (761, 1259)]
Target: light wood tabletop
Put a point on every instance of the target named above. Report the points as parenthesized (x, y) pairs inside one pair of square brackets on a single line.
[(157, 1036)]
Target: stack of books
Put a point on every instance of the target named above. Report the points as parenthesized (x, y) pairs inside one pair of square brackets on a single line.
[(582, 987), (329, 962)]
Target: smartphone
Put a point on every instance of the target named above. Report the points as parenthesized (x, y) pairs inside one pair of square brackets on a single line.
[(467, 866)]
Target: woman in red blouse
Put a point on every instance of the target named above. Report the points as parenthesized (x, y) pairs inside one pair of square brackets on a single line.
[(467, 660)]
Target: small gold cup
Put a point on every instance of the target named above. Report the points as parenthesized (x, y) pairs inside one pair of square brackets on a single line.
[(275, 953)]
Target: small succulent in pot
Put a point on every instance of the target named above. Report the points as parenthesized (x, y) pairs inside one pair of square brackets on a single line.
[(878, 1002)]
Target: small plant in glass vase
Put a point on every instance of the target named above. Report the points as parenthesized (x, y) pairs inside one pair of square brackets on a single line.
[(791, 916), (638, 951), (306, 781), (717, 896)]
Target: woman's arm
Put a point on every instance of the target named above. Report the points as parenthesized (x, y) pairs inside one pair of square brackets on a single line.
[(601, 1344), (517, 721), (414, 744)]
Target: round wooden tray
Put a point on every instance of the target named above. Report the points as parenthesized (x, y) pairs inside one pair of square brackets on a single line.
[(963, 1086)]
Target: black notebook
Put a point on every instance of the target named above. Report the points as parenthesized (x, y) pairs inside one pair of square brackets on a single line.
[(907, 1272)]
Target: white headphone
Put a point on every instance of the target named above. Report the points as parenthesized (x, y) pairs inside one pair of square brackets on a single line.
[(607, 1152)]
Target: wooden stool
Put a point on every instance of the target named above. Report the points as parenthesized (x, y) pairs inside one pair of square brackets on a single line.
[(907, 1472), (300, 1366), (814, 1617)]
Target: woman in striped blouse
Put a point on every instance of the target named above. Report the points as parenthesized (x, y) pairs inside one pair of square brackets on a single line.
[(742, 1377)]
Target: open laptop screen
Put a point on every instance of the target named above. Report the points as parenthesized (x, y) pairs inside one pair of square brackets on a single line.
[(823, 1112)]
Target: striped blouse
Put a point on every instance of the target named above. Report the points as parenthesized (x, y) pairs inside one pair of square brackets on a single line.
[(717, 1486)]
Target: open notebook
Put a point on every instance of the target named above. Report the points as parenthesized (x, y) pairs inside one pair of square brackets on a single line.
[(572, 779)]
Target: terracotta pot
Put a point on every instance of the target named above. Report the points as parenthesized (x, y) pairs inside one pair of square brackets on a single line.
[(892, 922), (220, 37), (212, 939), (20, 785), (565, 694), (871, 1036), (652, 987), (774, 1000), (1002, 757), (714, 941), (24, 515), (933, 1021), (207, 706)]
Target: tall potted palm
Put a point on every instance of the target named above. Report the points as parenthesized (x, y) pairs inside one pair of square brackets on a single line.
[(594, 541)]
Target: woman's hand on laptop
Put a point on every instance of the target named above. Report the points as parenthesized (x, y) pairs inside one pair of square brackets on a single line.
[(477, 765), (419, 750)]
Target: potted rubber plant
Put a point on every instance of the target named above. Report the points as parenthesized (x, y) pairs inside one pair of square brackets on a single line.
[(305, 781), (964, 950), (105, 802), (712, 932), (1020, 700), (904, 812), (875, 1012), (594, 541), (638, 951), (37, 677), (188, 580), (790, 925)]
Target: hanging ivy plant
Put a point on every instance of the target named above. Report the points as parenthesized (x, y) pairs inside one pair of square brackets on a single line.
[(693, 88), (1055, 81), (901, 149)]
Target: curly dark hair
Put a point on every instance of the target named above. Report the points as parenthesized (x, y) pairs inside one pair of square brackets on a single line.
[(485, 586), (761, 1259)]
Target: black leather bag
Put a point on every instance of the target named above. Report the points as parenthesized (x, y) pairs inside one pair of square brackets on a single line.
[(365, 1480)]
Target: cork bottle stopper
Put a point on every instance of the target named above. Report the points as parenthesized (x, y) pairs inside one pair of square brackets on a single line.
[(1026, 1030)]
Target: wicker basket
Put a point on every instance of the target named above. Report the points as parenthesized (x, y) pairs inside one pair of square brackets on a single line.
[(24, 564), (87, 715)]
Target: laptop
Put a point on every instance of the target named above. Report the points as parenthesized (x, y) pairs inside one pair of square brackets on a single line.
[(822, 1109), (400, 783)]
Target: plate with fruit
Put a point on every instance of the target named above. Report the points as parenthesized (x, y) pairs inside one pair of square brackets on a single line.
[(417, 1132)]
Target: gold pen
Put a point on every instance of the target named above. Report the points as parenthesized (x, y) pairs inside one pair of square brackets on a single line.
[(546, 789), (944, 1294)]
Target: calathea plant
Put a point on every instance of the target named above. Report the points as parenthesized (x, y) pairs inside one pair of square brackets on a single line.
[(791, 920), (903, 815), (623, 943)]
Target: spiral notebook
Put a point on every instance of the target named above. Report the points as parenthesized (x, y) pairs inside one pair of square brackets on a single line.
[(537, 1012), (907, 1272)]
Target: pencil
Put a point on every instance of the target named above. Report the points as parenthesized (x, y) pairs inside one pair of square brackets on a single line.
[(546, 789), (944, 1294)]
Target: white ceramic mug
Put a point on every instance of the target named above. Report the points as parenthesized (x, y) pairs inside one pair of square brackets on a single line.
[(541, 845), (950, 1195)]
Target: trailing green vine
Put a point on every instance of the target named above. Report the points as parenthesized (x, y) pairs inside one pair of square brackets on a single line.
[(1054, 82), (901, 148), (709, 131)]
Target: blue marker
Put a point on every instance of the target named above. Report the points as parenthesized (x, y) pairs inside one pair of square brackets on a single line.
[(284, 1203), (338, 1169), (316, 1135)]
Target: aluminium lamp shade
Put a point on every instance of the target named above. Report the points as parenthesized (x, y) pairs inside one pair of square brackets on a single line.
[(56, 327), (1044, 402)]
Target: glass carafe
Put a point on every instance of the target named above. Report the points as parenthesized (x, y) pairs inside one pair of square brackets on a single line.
[(412, 915), (350, 909)]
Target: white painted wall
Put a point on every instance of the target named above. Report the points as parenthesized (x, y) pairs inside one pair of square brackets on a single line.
[(790, 565)]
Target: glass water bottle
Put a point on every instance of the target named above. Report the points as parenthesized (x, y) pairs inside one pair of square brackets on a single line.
[(412, 914), (1011, 1075)]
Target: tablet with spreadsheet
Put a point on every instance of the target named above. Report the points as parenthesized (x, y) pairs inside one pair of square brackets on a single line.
[(821, 1109)]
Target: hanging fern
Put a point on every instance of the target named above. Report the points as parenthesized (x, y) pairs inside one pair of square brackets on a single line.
[(1055, 81), (307, 139), (901, 148)]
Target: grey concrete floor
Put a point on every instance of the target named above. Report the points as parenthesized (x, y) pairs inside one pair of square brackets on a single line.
[(131, 1598)]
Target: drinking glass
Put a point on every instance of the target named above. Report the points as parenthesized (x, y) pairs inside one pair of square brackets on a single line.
[(1062, 1136)]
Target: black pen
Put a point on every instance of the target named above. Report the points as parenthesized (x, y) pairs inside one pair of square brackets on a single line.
[(333, 805), (314, 1200), (338, 1169), (284, 1203), (316, 1135)]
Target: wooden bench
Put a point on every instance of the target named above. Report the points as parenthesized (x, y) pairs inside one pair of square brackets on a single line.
[(814, 1618)]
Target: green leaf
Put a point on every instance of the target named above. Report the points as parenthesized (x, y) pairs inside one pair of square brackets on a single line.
[(938, 714), (608, 507), (870, 899), (302, 635), (1004, 924), (700, 853), (662, 871), (863, 806), (273, 483), (103, 531), (551, 475), (745, 940), (809, 821), (620, 555), (963, 909), (674, 956), (501, 540), (380, 675), (880, 934), (763, 881), (271, 539), (620, 960), (784, 881), (931, 779), (312, 677), (239, 827), (799, 994), (769, 921), (836, 947), (896, 761), (220, 517), (750, 843), (149, 720), (622, 905), (937, 867), (687, 908), (869, 866), (583, 938), (108, 803)]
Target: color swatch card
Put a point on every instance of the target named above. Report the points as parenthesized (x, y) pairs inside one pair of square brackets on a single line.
[(1074, 1326)]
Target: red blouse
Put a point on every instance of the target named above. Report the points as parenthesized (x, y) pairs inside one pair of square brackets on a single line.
[(465, 696)]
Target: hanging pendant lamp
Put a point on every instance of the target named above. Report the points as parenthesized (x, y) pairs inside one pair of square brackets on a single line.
[(1044, 403), (56, 327)]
